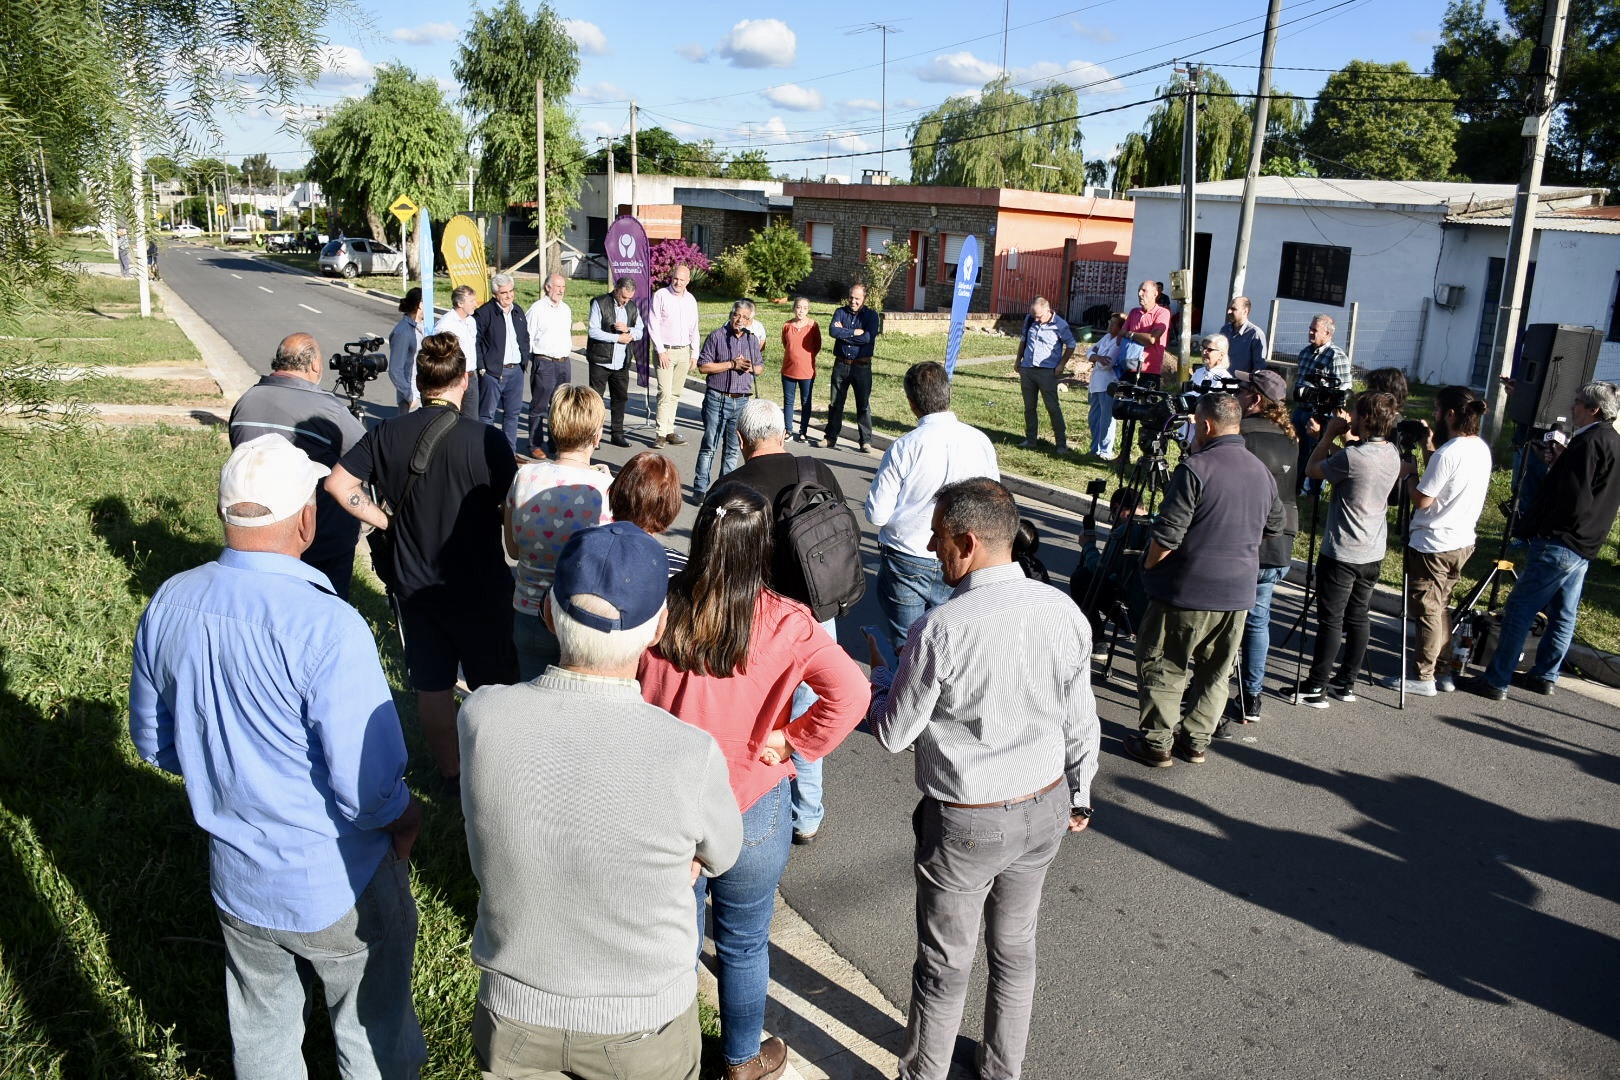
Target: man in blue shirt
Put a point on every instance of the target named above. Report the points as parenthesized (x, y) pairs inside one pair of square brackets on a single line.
[(257, 684), (1245, 341), (729, 361), (1043, 350)]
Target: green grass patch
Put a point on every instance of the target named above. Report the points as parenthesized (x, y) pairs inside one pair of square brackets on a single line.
[(107, 329), (111, 390), (86, 249)]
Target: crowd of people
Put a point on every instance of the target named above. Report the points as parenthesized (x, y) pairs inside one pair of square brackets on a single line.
[(643, 741)]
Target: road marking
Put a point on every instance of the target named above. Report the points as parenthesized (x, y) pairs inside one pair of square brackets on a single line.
[(263, 289), (238, 277), (306, 307)]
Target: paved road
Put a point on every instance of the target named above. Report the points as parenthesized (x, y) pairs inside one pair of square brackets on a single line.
[(1357, 892)]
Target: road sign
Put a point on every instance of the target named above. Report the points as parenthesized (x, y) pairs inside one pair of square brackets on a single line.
[(220, 209), (403, 208)]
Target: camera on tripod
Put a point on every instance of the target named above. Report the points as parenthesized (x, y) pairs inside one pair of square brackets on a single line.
[(359, 363), (1323, 394), (1410, 435), (1146, 405)]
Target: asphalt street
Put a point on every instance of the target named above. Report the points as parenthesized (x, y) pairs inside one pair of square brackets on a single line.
[(1358, 891)]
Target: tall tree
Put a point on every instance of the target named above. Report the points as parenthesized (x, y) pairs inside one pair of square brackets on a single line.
[(660, 152), (400, 139), (1152, 157), (257, 172), (1384, 121), (501, 56), (998, 139), (749, 165)]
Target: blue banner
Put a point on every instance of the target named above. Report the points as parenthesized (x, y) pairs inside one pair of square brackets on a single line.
[(628, 255), (424, 258), (967, 276)]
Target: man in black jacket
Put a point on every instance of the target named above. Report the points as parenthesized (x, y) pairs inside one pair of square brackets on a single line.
[(503, 357), (1199, 573), (1574, 510)]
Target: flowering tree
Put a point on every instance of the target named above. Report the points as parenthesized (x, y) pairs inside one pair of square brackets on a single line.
[(666, 253)]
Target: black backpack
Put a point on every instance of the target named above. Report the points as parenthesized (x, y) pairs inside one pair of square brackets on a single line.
[(822, 540)]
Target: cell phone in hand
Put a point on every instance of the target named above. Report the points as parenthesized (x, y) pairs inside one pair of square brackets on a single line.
[(878, 635)]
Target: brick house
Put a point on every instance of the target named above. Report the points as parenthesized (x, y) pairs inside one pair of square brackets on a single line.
[(1068, 248), (714, 219)]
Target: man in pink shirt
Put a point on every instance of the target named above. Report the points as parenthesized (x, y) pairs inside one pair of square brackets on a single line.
[(673, 327), (1149, 326)]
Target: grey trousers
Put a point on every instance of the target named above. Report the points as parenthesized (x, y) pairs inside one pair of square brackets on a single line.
[(512, 1050), (1042, 382), (984, 864)]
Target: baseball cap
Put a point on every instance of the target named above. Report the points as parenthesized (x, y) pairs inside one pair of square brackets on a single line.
[(269, 471), (621, 564), (1266, 381)]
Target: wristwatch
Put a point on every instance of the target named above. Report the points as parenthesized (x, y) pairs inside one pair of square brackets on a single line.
[(1080, 811)]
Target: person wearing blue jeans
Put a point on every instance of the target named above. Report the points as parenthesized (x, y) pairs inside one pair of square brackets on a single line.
[(719, 430), (908, 586), (1575, 508), (502, 331), (802, 388), (729, 361), (808, 810)]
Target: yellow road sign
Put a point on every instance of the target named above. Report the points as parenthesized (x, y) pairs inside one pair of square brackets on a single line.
[(403, 208), (220, 209)]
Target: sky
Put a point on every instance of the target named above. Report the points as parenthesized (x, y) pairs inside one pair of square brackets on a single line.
[(808, 91)]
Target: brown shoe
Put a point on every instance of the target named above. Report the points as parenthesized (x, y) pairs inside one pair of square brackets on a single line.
[(1140, 749), (674, 438), (768, 1064), (1185, 751)]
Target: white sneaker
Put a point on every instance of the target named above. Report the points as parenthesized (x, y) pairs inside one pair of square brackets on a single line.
[(1444, 683), (1415, 687)]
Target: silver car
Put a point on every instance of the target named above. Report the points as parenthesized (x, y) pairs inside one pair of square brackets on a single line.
[(351, 256)]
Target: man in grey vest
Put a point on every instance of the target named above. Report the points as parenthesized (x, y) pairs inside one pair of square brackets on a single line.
[(1200, 572), (290, 402), (612, 325)]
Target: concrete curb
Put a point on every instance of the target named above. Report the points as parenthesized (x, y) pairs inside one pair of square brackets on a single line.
[(224, 363)]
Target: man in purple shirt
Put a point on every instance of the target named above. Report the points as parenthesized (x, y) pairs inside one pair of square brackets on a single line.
[(258, 685), (729, 360)]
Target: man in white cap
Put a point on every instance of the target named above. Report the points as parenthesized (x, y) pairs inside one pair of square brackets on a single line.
[(258, 685)]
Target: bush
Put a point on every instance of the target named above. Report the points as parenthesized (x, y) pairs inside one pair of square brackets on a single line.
[(730, 274), (666, 253), (70, 213), (881, 270), (777, 260)]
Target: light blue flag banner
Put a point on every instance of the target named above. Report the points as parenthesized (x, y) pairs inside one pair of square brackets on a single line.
[(967, 276), (424, 258)]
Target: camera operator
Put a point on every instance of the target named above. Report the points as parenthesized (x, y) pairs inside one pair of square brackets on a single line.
[(290, 402), (1353, 543), (1325, 363), (1573, 513), (1446, 503), (1269, 435)]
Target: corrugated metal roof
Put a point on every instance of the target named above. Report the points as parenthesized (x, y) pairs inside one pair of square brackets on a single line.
[(1546, 223)]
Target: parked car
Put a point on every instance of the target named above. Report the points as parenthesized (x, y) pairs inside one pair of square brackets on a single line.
[(239, 234), (351, 256), (186, 231)]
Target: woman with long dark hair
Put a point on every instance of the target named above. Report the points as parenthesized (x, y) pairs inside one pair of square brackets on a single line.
[(731, 656)]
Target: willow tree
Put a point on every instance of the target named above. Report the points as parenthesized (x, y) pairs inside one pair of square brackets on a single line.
[(1002, 139), (1152, 157)]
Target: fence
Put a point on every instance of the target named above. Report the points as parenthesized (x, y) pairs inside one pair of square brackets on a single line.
[(1384, 337), (1021, 276), (1094, 283)]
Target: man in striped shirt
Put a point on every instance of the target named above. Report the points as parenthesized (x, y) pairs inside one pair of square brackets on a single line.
[(994, 689)]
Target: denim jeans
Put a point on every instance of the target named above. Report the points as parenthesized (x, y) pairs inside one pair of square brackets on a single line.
[(806, 783), (1343, 600), (505, 393), (1042, 382), (1257, 634), (803, 387), (364, 962), (1550, 581), (719, 433), (537, 646), (907, 587), (1307, 445), (847, 376), (744, 899), (1101, 419)]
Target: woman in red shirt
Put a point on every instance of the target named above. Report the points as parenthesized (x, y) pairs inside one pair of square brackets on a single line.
[(729, 660), (801, 341)]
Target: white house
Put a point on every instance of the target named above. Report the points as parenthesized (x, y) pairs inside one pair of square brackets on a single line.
[(1422, 262)]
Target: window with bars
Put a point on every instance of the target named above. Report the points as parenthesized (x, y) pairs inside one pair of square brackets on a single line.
[(1315, 273)]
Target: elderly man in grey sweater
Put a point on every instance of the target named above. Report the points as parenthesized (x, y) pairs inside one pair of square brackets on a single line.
[(589, 815)]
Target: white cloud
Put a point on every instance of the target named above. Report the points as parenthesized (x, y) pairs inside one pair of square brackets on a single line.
[(345, 64), (772, 130), (596, 92), (848, 140), (861, 105), (426, 34), (1102, 35), (794, 97), (759, 43), (1089, 78), (695, 53), (958, 68), (587, 35), (591, 130), (907, 103)]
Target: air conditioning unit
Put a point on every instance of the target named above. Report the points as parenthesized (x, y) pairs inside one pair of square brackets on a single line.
[(1448, 296)]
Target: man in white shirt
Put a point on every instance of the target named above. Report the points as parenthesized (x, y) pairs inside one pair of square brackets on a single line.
[(551, 340), (940, 450), (672, 326), (459, 321)]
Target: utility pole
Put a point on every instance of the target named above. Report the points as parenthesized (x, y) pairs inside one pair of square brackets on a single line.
[(612, 210), (883, 101), (137, 234), (540, 174), (1189, 212), (635, 167), (45, 183), (1257, 146), (1545, 63)]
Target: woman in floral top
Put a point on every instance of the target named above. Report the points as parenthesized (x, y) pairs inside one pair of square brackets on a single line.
[(549, 502)]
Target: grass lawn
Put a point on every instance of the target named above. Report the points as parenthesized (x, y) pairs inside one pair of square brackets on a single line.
[(108, 330), (87, 249)]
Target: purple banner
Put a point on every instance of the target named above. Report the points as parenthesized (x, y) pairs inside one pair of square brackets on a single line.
[(967, 276), (628, 256)]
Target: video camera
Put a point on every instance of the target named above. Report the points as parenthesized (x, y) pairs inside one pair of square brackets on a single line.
[(359, 363), (1410, 435), (1323, 394)]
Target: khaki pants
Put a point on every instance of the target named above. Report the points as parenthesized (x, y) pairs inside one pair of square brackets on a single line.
[(670, 382), (1430, 579), (512, 1050), (1176, 643)]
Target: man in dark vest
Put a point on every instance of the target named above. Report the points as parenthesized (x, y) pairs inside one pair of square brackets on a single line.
[(1199, 573), (613, 324)]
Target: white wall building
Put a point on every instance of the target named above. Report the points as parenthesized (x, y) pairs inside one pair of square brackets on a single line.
[(1422, 262)]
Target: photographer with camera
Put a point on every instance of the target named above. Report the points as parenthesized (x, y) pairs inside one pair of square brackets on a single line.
[(1353, 544), (1446, 503), (1324, 370), (290, 402)]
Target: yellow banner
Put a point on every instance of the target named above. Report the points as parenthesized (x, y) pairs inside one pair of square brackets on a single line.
[(463, 251)]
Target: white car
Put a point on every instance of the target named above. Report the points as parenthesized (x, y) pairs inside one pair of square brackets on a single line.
[(186, 231), (239, 234), (351, 256)]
